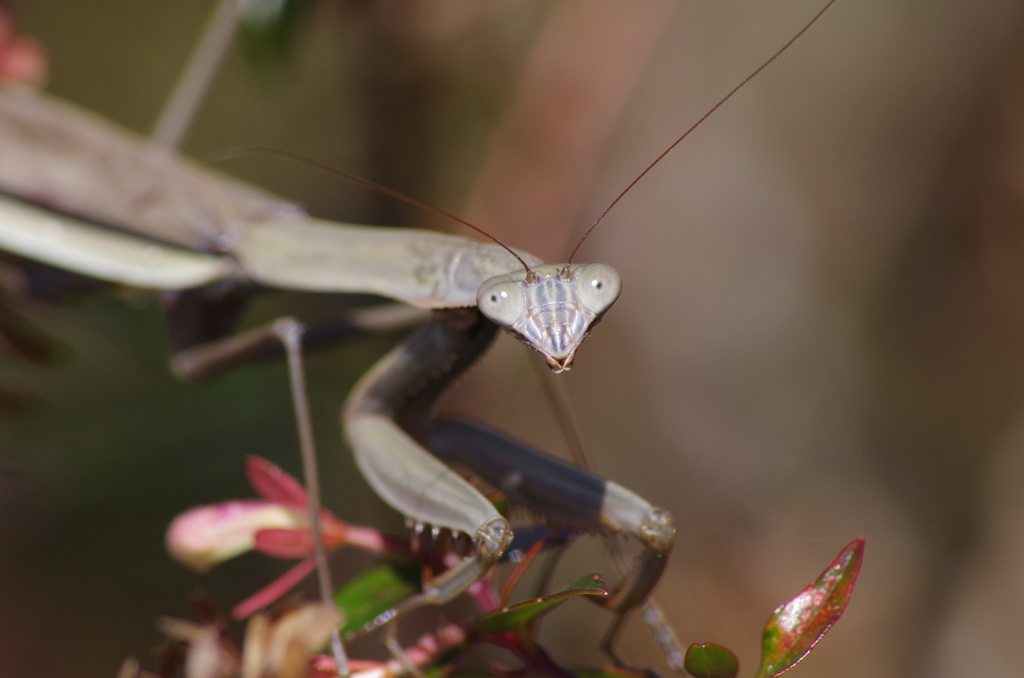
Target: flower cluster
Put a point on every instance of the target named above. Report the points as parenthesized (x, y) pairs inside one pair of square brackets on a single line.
[(277, 525)]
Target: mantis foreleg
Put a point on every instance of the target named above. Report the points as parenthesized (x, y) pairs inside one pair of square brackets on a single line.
[(566, 496), (405, 474), (389, 426)]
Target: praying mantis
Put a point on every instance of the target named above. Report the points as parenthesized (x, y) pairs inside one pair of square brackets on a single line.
[(147, 258)]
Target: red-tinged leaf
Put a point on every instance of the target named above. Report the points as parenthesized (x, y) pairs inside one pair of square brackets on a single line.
[(711, 661), (284, 543), (519, 617), (273, 484), (795, 628)]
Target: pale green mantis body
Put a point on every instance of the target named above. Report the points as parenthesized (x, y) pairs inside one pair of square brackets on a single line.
[(197, 229), (258, 239)]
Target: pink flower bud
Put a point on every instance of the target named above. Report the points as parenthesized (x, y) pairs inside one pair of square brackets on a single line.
[(206, 535)]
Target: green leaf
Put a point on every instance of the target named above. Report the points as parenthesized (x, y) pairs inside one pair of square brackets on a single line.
[(794, 628), (501, 504), (267, 28), (376, 591), (611, 672), (711, 661), (520, 616), (588, 672)]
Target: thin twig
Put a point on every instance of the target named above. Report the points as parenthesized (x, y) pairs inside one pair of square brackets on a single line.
[(181, 108), (290, 331)]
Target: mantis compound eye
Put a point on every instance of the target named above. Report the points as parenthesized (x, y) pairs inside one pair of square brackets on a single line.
[(598, 287), (501, 300)]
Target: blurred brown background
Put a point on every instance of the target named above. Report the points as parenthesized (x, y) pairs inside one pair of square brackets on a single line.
[(821, 333)]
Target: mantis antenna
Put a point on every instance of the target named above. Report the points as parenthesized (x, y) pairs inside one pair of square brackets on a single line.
[(697, 124), (365, 183)]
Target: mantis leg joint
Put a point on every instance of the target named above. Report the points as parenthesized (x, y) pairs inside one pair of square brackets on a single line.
[(493, 538), (657, 531)]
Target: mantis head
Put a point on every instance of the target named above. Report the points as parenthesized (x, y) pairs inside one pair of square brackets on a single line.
[(551, 308)]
